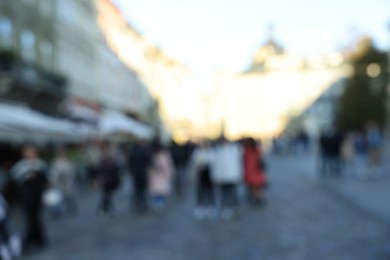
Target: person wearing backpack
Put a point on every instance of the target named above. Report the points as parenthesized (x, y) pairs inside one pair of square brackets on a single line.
[(108, 180)]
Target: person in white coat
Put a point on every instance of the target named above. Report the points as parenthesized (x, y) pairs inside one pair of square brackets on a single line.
[(227, 174), (62, 177)]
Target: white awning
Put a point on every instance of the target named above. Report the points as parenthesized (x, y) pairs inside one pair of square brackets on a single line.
[(28, 123), (118, 123)]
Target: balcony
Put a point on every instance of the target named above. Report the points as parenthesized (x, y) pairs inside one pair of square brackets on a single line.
[(28, 83)]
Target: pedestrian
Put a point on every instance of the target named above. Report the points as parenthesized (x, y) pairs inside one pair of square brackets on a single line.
[(140, 160), (227, 174), (179, 156), (374, 145), (31, 175), (160, 176), (349, 154), (254, 171), (62, 177), (336, 140), (93, 156), (10, 243), (205, 194), (361, 151), (108, 180), (330, 143)]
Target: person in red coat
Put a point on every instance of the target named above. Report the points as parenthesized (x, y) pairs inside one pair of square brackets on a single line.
[(254, 173)]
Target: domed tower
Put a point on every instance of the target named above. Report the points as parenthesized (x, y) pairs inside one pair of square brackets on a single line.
[(267, 50)]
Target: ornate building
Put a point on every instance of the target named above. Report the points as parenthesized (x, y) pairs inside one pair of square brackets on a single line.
[(264, 54), (278, 86)]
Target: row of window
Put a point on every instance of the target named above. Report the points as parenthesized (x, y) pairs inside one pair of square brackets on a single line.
[(45, 6), (28, 42)]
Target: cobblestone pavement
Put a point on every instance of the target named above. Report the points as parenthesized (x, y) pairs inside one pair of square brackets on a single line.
[(300, 221)]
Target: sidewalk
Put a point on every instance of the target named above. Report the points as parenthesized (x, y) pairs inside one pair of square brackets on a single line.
[(371, 195)]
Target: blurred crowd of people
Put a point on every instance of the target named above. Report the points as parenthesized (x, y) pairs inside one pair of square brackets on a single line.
[(50, 177), (356, 153), (292, 144), (341, 153), (33, 179), (222, 166)]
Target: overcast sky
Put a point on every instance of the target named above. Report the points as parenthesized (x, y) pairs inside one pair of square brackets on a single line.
[(223, 34)]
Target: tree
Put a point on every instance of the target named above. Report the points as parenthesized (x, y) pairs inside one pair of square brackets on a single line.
[(365, 94)]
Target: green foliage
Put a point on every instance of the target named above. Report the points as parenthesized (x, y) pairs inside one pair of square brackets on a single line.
[(365, 97)]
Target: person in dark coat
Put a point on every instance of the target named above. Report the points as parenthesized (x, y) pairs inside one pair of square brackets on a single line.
[(205, 194), (330, 144), (179, 156), (324, 153), (31, 176), (108, 179), (336, 141), (140, 161)]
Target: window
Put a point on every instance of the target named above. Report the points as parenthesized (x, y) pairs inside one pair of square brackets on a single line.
[(6, 36), (46, 52), (27, 42), (45, 6)]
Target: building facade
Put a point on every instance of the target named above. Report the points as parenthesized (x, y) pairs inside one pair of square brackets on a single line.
[(32, 36), (172, 84), (28, 60), (98, 79), (78, 47), (120, 88)]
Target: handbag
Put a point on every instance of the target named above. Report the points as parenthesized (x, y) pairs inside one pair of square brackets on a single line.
[(52, 197)]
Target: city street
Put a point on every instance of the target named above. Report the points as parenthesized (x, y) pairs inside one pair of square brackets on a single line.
[(300, 221), (291, 97)]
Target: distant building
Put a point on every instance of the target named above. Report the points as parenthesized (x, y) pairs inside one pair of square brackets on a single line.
[(277, 87), (98, 79), (263, 57), (173, 85)]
